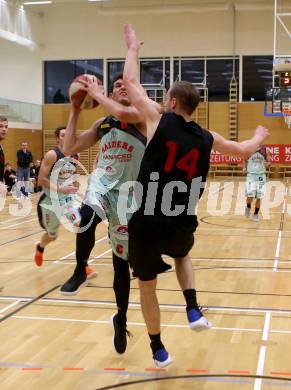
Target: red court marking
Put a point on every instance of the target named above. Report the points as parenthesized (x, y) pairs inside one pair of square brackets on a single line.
[(114, 369), (192, 370), (32, 368), (238, 372), (73, 369), (281, 373)]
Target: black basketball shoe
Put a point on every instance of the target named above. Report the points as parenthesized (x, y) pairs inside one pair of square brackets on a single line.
[(119, 339), (74, 284)]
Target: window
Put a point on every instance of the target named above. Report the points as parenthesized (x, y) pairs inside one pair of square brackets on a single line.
[(155, 72), (191, 70), (59, 75), (219, 75), (113, 67), (257, 77)]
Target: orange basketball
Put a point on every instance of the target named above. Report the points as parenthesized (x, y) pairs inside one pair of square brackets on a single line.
[(78, 96)]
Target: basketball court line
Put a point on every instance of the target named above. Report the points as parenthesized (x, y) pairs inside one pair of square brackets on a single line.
[(159, 373), (262, 353), (213, 260), (195, 268), (245, 229), (28, 303), (16, 224), (240, 269), (15, 219), (73, 253), (137, 304), (21, 237), (205, 378), (89, 261), (193, 259), (9, 306), (142, 324), (278, 246), (163, 325)]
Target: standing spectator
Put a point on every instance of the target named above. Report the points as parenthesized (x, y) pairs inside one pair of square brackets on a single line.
[(24, 158), (9, 177), (3, 132)]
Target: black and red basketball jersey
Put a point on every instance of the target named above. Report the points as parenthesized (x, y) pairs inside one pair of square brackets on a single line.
[(180, 152)]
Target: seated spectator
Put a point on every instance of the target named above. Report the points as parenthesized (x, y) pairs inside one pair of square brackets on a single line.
[(9, 177)]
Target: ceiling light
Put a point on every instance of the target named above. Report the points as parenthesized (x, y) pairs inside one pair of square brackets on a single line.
[(37, 2)]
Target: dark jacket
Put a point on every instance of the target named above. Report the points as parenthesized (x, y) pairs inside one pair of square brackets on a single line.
[(23, 159)]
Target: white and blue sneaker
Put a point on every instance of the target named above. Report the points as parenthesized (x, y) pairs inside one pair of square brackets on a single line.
[(256, 218), (247, 212), (162, 358), (197, 321)]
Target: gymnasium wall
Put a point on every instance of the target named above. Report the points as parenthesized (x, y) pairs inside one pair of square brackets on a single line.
[(88, 30), (13, 143), (250, 115), (91, 32), (20, 66), (20, 73)]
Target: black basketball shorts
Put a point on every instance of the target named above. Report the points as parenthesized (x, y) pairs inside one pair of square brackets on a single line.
[(152, 236)]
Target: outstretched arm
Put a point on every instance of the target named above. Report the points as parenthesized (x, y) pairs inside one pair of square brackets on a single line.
[(241, 149), (149, 109), (124, 113)]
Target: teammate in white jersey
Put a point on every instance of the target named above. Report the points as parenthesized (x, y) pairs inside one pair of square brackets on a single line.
[(59, 198), (256, 180)]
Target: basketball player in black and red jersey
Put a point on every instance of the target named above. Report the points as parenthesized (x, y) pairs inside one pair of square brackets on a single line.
[(3, 133), (172, 173)]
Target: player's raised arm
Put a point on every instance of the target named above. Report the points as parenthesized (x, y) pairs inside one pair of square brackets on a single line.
[(241, 149), (124, 113), (149, 109)]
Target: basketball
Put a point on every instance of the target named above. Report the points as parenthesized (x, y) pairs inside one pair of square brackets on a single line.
[(78, 96)]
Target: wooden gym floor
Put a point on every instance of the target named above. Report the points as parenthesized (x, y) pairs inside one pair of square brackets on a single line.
[(242, 270)]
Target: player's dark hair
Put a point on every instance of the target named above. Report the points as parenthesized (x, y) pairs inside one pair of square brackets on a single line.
[(116, 77), (186, 94), (3, 118), (58, 130)]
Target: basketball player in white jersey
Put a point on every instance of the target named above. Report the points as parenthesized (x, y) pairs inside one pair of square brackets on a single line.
[(256, 180)]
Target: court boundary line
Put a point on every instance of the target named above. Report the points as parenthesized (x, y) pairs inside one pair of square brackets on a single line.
[(199, 376), (262, 352), (21, 237), (137, 304), (74, 252), (28, 303)]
